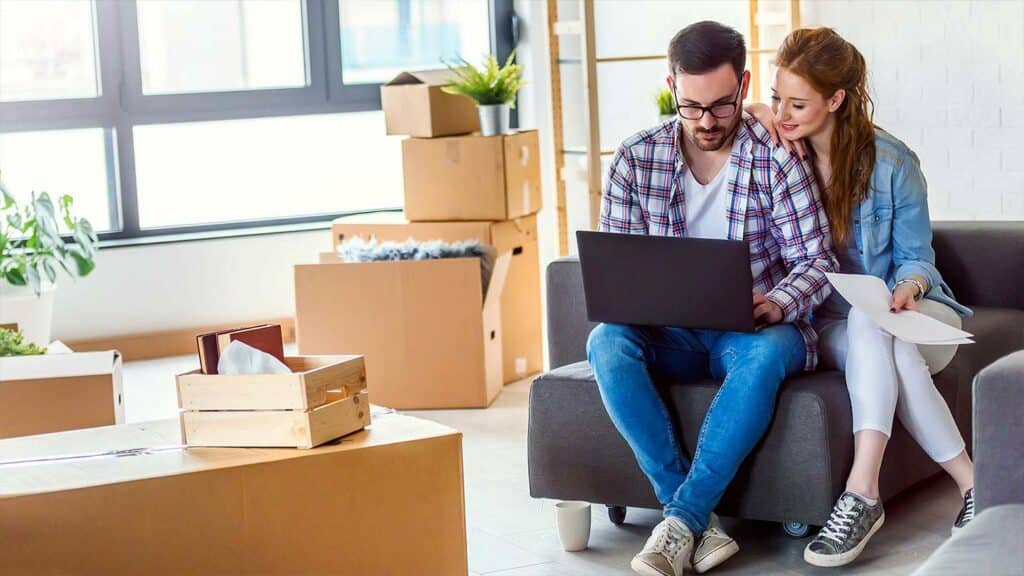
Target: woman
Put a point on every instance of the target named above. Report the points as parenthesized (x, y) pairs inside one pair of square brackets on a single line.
[(875, 198)]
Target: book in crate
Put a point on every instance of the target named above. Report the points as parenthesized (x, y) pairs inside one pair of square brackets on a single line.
[(322, 399)]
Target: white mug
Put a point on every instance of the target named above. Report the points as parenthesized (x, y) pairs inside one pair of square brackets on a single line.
[(573, 520)]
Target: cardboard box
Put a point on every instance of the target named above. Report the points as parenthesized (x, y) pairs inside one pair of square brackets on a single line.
[(430, 336), (55, 392), (336, 509), (521, 339), (472, 177), (415, 105)]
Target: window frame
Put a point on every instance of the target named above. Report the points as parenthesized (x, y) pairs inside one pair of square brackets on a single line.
[(121, 105)]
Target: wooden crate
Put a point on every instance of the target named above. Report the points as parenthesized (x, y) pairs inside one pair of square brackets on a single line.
[(305, 389), (343, 414)]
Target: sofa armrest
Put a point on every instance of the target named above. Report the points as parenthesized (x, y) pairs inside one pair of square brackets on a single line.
[(999, 432), (568, 327), (983, 262)]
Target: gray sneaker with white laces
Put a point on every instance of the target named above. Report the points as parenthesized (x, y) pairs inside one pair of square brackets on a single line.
[(853, 522), (966, 512), (667, 552)]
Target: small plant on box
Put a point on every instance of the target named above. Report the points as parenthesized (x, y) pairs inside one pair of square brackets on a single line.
[(666, 105), (492, 87), (12, 344), (31, 246)]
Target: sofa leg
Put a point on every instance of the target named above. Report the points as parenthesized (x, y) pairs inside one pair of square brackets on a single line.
[(617, 514), (795, 529)]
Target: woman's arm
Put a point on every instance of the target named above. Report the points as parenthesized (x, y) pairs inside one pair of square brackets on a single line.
[(912, 231)]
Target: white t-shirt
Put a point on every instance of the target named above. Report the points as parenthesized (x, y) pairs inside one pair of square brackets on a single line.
[(707, 205)]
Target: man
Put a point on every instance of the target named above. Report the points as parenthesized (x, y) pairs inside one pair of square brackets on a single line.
[(713, 173)]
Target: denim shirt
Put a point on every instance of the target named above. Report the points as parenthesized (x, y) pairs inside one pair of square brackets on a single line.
[(891, 226)]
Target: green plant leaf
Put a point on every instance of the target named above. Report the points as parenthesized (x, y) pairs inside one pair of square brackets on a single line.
[(83, 264), (49, 269), (14, 219), (34, 281), (15, 277)]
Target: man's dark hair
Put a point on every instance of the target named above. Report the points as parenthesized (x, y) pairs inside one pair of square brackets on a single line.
[(701, 47)]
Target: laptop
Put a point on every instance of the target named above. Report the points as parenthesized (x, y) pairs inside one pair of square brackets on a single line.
[(666, 281)]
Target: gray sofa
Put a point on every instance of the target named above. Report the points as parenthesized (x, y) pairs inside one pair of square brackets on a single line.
[(993, 544), (795, 474)]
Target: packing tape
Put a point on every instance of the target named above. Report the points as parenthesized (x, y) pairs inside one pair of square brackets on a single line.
[(526, 196), (453, 152), (524, 155), (88, 455)]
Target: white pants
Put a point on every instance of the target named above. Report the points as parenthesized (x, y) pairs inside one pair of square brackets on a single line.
[(887, 376)]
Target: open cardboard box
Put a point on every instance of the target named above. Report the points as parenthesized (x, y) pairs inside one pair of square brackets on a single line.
[(60, 391), (472, 177), (336, 509), (415, 105), (521, 339), (430, 337)]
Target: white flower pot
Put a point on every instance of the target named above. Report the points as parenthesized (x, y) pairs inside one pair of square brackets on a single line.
[(33, 314), (493, 119)]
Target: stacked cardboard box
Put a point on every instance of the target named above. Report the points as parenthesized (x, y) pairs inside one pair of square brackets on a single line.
[(60, 391), (431, 336)]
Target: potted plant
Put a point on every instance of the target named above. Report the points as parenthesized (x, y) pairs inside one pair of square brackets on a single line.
[(493, 88), (666, 105), (32, 251), (12, 343)]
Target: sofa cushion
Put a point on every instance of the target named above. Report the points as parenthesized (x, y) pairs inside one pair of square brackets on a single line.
[(992, 544)]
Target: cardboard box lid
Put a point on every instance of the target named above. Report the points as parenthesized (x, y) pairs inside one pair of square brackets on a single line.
[(393, 227), (59, 365), (428, 77), (170, 458)]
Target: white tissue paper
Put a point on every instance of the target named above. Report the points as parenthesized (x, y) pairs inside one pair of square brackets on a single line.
[(240, 358)]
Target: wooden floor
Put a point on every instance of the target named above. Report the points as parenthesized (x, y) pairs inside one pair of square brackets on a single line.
[(511, 534)]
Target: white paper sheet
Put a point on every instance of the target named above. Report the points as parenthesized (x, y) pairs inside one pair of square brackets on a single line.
[(870, 295)]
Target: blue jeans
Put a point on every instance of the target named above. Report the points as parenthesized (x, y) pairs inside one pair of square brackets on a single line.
[(628, 360)]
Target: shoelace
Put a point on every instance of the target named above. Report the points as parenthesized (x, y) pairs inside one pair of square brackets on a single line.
[(670, 540), (968, 507), (840, 522)]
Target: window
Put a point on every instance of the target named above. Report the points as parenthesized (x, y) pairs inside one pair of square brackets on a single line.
[(59, 64), (171, 116), (203, 46), (381, 38)]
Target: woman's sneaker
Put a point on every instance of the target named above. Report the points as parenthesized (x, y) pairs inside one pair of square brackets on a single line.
[(966, 512), (713, 548), (853, 522), (667, 552)]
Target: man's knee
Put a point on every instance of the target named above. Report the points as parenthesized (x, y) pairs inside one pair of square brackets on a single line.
[(606, 338), (772, 353)]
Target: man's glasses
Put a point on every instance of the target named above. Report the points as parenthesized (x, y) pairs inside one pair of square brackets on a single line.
[(720, 111)]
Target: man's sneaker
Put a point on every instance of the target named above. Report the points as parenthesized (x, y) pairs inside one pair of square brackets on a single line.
[(853, 522), (667, 552), (967, 512), (713, 548)]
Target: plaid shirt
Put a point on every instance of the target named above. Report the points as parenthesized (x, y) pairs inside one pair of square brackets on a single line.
[(774, 206)]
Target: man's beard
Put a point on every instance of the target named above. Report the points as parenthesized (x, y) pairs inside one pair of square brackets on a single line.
[(724, 135)]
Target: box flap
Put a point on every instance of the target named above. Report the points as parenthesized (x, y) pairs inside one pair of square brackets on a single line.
[(428, 77), (400, 231), (498, 277), (58, 365)]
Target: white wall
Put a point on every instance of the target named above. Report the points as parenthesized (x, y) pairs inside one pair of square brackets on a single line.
[(948, 79), (168, 286)]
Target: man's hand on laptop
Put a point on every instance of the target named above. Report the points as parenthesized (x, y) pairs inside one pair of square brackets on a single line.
[(766, 312)]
